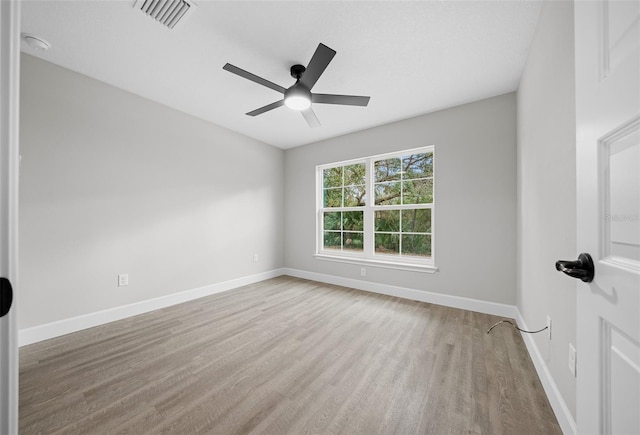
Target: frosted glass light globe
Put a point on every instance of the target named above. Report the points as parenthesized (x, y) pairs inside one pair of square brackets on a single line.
[(297, 102), (297, 97)]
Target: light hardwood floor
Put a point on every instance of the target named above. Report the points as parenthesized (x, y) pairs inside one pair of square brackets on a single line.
[(286, 356)]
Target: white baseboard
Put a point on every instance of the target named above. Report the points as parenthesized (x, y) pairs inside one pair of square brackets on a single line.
[(55, 329), (560, 408), (502, 310)]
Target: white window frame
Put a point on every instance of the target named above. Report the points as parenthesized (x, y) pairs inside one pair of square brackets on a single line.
[(368, 255)]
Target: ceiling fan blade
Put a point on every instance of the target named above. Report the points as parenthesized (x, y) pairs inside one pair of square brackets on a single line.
[(254, 78), (266, 108), (310, 117), (347, 100), (317, 65)]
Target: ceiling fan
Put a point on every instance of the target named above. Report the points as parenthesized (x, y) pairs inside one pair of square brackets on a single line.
[(299, 96)]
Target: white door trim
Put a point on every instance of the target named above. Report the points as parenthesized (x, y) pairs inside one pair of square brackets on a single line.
[(9, 168)]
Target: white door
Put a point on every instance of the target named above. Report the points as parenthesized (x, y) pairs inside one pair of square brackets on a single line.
[(9, 164), (608, 213)]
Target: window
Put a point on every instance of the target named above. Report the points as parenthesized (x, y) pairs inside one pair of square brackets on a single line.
[(378, 209)]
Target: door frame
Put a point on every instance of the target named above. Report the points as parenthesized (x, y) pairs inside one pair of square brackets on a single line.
[(9, 177)]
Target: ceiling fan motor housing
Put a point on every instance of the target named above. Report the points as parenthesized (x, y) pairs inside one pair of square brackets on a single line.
[(297, 91), (297, 71)]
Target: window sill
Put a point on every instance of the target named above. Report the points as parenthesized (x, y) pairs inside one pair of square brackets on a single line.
[(425, 268)]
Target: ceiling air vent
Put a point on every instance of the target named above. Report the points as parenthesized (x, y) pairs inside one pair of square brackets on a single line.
[(166, 12)]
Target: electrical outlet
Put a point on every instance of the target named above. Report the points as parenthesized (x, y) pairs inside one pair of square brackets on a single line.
[(548, 328), (255, 258), (572, 360), (363, 271), (123, 279)]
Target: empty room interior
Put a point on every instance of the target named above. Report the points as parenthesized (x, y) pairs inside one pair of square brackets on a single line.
[(197, 257)]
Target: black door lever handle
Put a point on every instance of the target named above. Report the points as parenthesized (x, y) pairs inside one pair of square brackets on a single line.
[(6, 296), (582, 268)]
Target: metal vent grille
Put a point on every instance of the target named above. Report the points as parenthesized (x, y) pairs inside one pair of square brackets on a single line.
[(167, 12)]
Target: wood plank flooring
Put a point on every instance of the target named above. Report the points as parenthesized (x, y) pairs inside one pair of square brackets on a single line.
[(286, 356)]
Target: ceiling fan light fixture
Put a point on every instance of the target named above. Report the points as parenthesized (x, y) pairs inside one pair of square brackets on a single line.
[(297, 102), (297, 98)]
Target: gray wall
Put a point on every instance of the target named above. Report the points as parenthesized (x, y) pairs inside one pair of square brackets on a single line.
[(113, 183), (547, 190), (475, 213)]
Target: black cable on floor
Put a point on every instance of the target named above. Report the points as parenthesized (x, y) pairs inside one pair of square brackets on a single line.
[(521, 330)]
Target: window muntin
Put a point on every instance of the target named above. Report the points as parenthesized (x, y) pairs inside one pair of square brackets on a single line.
[(403, 232), (344, 186), (394, 223), (405, 180), (343, 230), (402, 181)]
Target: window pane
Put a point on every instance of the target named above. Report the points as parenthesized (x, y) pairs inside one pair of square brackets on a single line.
[(416, 244), (354, 196), (352, 221), (332, 240), (387, 220), (416, 221), (417, 165), (332, 220), (333, 197), (332, 177), (417, 192), (353, 241), (387, 170), (388, 193), (354, 174), (387, 243)]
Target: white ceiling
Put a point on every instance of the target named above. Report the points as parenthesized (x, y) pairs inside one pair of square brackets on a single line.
[(411, 57)]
